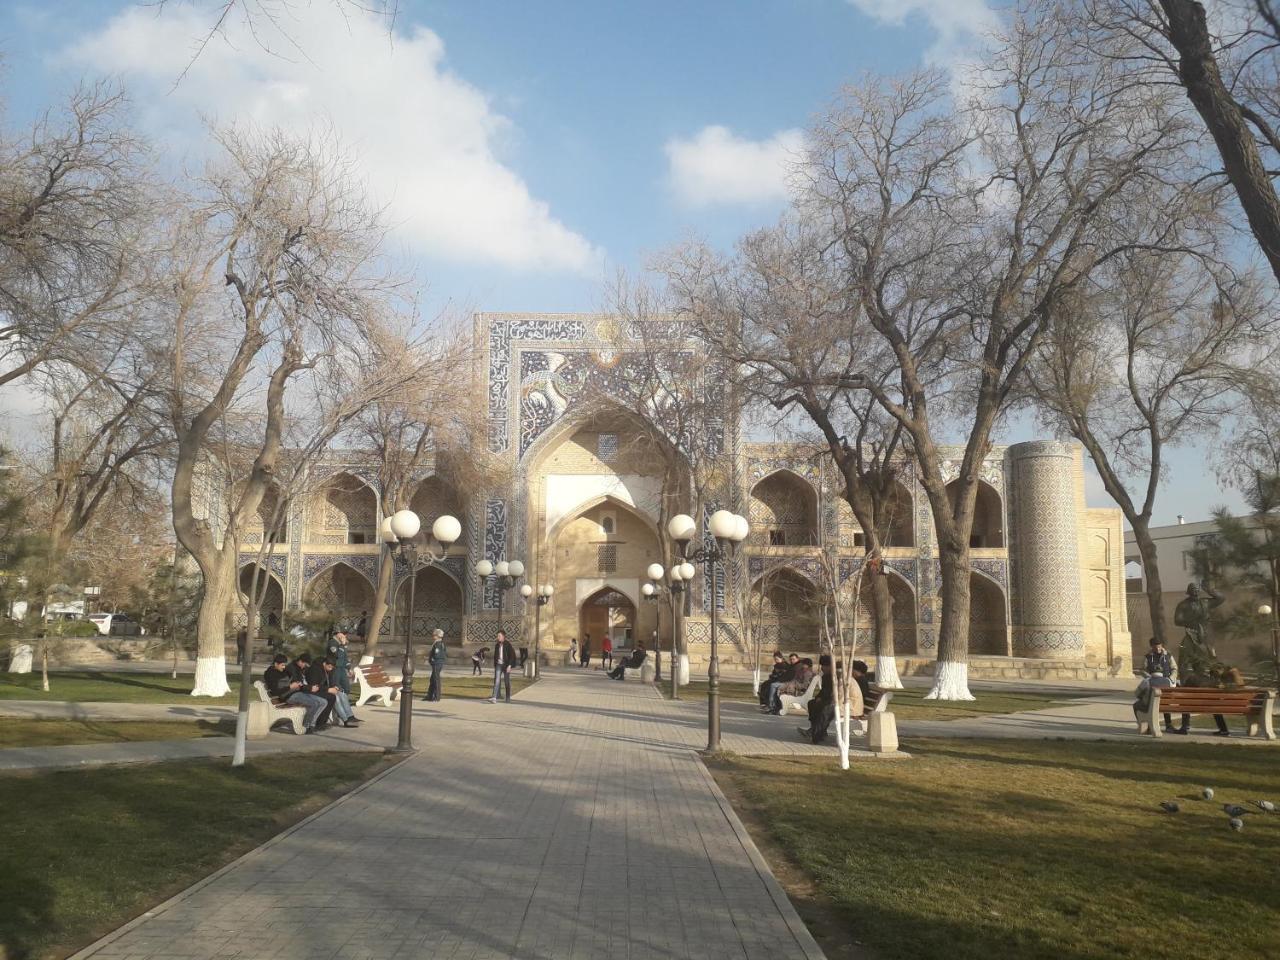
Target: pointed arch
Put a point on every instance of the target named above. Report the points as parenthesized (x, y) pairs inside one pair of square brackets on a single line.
[(783, 510), (344, 511), (988, 516), (988, 616), (341, 589)]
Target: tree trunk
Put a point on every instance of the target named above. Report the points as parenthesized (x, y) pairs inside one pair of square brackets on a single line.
[(1151, 575), (211, 638), (1222, 116), (882, 613), (951, 679), (373, 629)]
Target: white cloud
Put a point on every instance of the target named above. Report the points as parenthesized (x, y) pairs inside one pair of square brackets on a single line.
[(426, 138), (959, 24), (717, 167)]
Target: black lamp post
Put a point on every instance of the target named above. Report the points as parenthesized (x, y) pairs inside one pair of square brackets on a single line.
[(404, 542), (681, 573), (506, 573), (727, 531), (543, 598)]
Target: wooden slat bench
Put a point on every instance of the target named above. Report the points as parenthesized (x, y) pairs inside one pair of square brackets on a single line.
[(269, 710), (374, 682), (1256, 706)]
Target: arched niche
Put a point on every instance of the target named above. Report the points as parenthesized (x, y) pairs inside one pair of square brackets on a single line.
[(345, 512), (437, 604), (432, 499), (988, 516), (340, 590), (900, 529), (271, 609), (783, 511), (787, 609), (904, 614), (988, 634), (271, 516)]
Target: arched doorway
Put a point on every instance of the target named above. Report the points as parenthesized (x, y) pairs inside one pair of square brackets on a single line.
[(789, 610), (345, 512), (783, 511), (607, 612)]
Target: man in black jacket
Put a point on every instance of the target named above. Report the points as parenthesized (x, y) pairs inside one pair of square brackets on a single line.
[(280, 682), (322, 678), (777, 675), (782, 673), (504, 656), (298, 674), (634, 662)]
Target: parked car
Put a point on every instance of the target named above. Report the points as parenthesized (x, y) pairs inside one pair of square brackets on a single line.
[(116, 624)]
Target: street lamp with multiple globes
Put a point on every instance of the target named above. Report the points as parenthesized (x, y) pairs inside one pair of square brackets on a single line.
[(506, 573), (652, 592), (544, 597), (400, 533), (1266, 610), (727, 531), (680, 574)]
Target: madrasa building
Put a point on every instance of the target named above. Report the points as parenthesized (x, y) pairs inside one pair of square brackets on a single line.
[(582, 506)]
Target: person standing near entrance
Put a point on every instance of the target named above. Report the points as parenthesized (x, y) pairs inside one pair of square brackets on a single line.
[(337, 651), (573, 649), (606, 652), (586, 651), (436, 658), (504, 655)]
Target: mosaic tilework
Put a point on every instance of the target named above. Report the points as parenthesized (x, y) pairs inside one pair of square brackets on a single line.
[(365, 564)]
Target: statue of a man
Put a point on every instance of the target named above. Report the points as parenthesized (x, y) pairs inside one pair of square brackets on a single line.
[(1192, 614)]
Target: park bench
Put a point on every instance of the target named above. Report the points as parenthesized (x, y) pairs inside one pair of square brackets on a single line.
[(269, 710), (1255, 706), (876, 701), (801, 702), (374, 682)]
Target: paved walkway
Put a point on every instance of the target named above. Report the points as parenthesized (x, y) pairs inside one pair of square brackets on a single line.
[(575, 822)]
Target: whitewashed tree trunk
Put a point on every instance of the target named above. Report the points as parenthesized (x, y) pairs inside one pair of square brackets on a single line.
[(44, 665), (951, 682), (242, 737), (211, 677), (887, 677), (755, 680)]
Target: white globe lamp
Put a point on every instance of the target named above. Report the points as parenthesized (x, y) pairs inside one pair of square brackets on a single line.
[(687, 570), (647, 589), (446, 529), (1265, 609), (526, 591), (723, 524), (502, 568), (385, 532), (485, 568), (682, 527), (515, 568), (655, 571), (405, 524), (741, 529)]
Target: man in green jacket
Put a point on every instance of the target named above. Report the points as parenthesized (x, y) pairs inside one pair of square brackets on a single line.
[(436, 658)]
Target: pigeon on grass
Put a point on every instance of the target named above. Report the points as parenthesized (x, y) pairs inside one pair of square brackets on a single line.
[(1169, 806), (1233, 810), (1207, 793), (1265, 805), (1236, 824)]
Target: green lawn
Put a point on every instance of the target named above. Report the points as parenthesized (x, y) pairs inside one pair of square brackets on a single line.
[(107, 686), (1036, 850), (468, 687), (57, 733), (907, 704), (86, 850)]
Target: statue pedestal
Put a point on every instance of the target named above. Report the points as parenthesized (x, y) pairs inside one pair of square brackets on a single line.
[(882, 733)]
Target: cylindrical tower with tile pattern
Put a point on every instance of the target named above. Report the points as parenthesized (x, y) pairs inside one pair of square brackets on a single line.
[(1047, 562)]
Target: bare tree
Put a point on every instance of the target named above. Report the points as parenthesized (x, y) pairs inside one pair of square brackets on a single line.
[(275, 278), (1226, 65), (73, 219), (779, 310), (1150, 356)]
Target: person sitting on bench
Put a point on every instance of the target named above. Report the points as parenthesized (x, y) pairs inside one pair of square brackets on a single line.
[(637, 657), (281, 683)]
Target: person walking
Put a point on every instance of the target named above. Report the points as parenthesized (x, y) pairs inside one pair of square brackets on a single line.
[(436, 658), (504, 656), (606, 652), (477, 662), (573, 649), (586, 651)]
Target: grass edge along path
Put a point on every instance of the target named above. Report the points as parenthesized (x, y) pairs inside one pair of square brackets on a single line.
[(909, 704), (88, 850), (1040, 850), (20, 732)]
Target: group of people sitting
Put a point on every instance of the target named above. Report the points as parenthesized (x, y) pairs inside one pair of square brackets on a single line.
[(793, 674), (317, 686), (633, 662), (1162, 671)]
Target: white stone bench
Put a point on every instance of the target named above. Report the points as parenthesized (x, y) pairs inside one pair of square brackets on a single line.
[(267, 712), (801, 702), (374, 683)]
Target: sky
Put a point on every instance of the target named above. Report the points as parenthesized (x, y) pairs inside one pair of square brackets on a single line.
[(524, 151)]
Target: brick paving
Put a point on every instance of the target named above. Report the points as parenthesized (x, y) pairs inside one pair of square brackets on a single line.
[(575, 822)]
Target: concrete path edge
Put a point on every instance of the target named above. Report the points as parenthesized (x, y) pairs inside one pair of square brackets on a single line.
[(89, 949), (804, 939)]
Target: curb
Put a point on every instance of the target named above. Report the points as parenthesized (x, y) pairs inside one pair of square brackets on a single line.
[(257, 851)]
